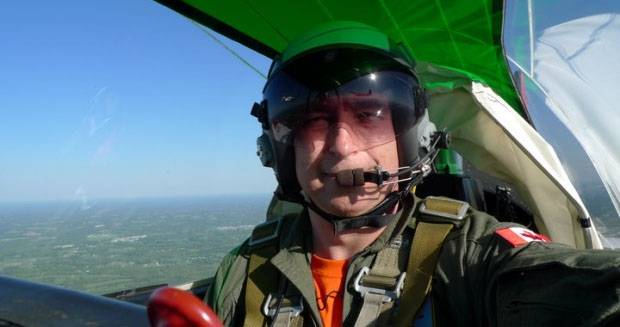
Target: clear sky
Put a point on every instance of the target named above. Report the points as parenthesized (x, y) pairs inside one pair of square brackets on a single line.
[(123, 99)]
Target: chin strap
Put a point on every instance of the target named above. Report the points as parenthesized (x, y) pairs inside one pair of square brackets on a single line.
[(375, 218)]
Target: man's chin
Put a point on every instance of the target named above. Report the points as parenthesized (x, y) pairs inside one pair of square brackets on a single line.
[(347, 201), (344, 207)]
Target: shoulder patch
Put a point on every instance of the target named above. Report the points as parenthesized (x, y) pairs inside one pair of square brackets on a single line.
[(519, 236)]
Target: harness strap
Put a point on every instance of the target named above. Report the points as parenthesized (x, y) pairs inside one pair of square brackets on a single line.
[(380, 286), (261, 282), (372, 309), (427, 243)]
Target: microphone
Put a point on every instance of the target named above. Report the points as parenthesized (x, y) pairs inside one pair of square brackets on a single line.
[(357, 176), (379, 176)]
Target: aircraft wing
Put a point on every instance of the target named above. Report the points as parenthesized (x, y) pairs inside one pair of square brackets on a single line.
[(459, 35)]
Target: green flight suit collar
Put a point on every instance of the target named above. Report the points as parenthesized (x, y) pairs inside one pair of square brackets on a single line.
[(293, 260)]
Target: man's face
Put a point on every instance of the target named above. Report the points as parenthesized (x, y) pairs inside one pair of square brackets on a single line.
[(344, 133)]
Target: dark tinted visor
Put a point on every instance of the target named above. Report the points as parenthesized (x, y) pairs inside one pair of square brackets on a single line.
[(373, 99)]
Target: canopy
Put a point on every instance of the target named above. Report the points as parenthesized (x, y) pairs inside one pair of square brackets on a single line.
[(498, 142), (566, 57)]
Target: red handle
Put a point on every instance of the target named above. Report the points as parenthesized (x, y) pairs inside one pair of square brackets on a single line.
[(170, 307)]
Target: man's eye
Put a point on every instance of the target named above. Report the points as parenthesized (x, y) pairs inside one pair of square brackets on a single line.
[(316, 121), (368, 116)]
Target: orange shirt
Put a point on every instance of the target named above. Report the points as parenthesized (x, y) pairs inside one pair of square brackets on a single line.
[(329, 278)]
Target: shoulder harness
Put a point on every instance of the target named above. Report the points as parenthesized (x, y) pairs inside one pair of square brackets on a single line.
[(381, 286), (264, 302)]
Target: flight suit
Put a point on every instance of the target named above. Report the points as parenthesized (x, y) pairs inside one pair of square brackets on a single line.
[(482, 278)]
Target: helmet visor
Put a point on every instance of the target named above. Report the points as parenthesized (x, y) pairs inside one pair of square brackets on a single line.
[(372, 108)]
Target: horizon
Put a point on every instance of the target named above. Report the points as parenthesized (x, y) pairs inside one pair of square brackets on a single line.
[(93, 201)]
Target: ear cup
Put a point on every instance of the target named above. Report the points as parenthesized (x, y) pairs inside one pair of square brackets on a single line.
[(264, 151)]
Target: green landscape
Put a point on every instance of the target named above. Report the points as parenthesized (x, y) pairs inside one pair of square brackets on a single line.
[(110, 245)]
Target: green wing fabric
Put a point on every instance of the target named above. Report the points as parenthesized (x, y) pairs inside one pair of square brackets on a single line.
[(460, 35)]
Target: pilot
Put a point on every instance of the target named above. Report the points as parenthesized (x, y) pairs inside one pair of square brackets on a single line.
[(345, 129)]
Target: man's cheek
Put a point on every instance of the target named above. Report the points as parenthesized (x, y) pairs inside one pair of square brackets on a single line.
[(307, 159), (303, 163)]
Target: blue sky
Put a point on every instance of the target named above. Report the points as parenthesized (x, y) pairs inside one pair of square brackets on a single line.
[(123, 99)]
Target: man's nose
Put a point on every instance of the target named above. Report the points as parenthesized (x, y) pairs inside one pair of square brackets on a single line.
[(342, 140)]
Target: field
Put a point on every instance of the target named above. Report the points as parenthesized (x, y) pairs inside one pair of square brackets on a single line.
[(105, 246)]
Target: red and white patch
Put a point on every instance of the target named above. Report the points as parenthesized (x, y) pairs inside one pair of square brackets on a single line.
[(519, 236)]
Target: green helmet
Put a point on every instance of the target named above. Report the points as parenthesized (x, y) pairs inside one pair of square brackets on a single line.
[(341, 34), (329, 62)]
